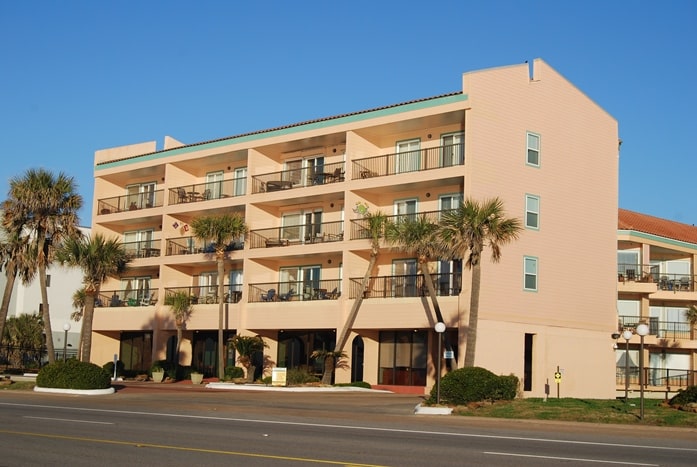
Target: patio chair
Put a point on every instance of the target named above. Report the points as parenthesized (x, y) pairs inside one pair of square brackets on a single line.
[(145, 301), (287, 296), (269, 296), (183, 197)]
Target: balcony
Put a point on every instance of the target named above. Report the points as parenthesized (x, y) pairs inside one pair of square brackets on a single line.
[(668, 379), (208, 294), (297, 235), (142, 249), (411, 161), (193, 245), (298, 178), (360, 228), (290, 291), (672, 330), (208, 191), (413, 285), (126, 297), (132, 202), (632, 275)]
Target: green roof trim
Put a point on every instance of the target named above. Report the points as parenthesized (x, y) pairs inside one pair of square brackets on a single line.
[(324, 123), (658, 238)]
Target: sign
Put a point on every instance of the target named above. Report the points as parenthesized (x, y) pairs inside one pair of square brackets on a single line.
[(557, 377), (278, 376), (449, 354)]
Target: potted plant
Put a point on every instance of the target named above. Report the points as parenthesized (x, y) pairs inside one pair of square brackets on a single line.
[(157, 373), (196, 377)]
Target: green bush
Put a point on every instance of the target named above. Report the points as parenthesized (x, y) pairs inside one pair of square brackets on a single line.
[(474, 384), (73, 374), (684, 396), (296, 376), (233, 372), (357, 384), (109, 367)]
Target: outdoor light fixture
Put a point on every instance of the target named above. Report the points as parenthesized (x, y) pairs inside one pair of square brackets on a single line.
[(66, 328), (440, 329), (642, 330)]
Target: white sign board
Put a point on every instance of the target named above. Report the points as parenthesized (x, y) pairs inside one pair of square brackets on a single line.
[(278, 376)]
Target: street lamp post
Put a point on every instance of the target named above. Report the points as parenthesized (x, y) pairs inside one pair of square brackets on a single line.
[(642, 330), (66, 328), (627, 335), (440, 329)]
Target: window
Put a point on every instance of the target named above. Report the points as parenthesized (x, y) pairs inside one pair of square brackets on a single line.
[(404, 277), (304, 226), (408, 156), (240, 181), (48, 280), (214, 185), (141, 195), (628, 263), (533, 149), (405, 208), (532, 212), (530, 282), (403, 358), (300, 280), (304, 171), (452, 149), (449, 201)]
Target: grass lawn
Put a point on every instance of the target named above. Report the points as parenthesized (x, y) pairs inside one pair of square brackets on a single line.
[(585, 410)]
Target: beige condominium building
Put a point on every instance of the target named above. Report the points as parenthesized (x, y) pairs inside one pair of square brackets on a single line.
[(522, 133), (656, 286)]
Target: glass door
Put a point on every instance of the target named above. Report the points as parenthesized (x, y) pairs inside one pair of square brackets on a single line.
[(404, 278), (408, 155), (405, 209), (240, 181), (214, 185), (452, 149)]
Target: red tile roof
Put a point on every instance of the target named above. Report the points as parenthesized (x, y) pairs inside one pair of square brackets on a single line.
[(630, 220)]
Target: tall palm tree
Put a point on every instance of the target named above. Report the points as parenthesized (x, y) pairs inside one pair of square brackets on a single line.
[(417, 236), (17, 259), (180, 304), (375, 231), (464, 233), (691, 317), (98, 258), (220, 231), (45, 207)]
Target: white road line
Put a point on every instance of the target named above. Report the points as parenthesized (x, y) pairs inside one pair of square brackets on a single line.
[(576, 459), (68, 420)]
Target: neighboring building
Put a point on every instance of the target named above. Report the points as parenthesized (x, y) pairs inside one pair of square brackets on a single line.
[(656, 261), (521, 132), (62, 283)]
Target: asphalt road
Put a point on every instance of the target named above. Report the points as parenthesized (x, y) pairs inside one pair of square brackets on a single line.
[(207, 427)]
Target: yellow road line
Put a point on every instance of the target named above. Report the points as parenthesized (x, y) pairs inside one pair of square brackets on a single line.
[(180, 448)]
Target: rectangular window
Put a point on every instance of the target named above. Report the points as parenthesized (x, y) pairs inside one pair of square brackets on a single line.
[(533, 149), (214, 185), (530, 282), (532, 212), (240, 181), (452, 149), (408, 156)]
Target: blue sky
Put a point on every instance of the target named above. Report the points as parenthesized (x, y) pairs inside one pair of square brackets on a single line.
[(79, 76)]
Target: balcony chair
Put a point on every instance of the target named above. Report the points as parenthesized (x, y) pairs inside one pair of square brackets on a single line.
[(145, 301), (287, 296), (269, 296), (182, 195)]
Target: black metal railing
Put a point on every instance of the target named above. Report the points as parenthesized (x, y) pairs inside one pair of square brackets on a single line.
[(401, 286), (301, 234), (670, 378), (133, 202), (298, 178), (126, 297), (660, 329), (208, 294), (24, 357), (192, 245), (409, 161), (360, 228), (651, 273), (295, 290), (208, 191), (142, 249)]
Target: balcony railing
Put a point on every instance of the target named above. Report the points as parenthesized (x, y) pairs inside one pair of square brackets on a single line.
[(297, 235), (651, 273), (660, 329), (126, 297), (208, 294), (670, 378), (298, 178), (192, 245), (294, 291), (361, 230), (207, 191), (406, 286), (134, 202), (409, 161), (142, 249)]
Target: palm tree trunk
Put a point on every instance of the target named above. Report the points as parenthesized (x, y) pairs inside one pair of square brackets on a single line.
[(9, 285), (428, 280), (87, 320), (179, 340), (328, 370), (351, 318), (46, 315), (221, 314), (474, 315)]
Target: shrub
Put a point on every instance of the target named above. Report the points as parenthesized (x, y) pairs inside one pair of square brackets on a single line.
[(109, 367), (296, 376), (357, 384), (73, 374), (684, 396), (474, 384), (233, 372)]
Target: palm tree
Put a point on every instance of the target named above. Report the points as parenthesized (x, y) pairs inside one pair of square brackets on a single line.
[(45, 207), (332, 359), (17, 259), (375, 231), (417, 236), (691, 317), (220, 231), (180, 304), (246, 347), (23, 334), (98, 258), (464, 233)]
